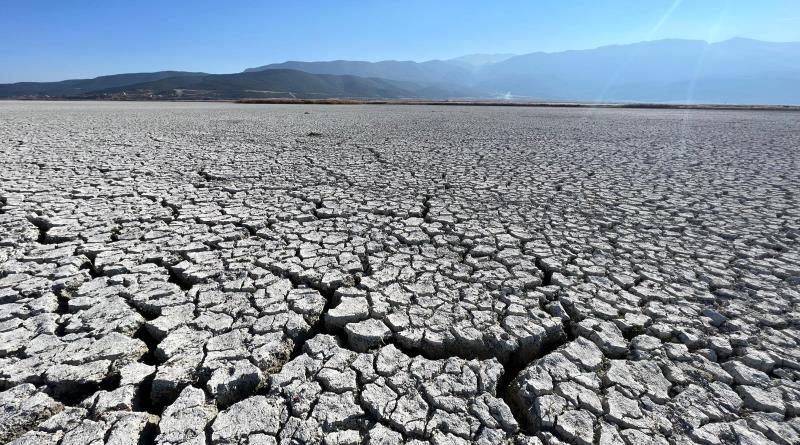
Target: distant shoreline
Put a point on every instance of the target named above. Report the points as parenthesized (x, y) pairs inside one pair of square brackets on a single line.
[(495, 103), (467, 103)]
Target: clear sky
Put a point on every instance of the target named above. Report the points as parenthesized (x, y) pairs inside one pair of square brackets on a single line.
[(58, 39)]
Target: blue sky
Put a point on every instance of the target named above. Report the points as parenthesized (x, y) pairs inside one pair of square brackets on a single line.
[(58, 39)]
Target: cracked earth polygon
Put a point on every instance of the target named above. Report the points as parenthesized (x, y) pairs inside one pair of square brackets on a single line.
[(220, 274)]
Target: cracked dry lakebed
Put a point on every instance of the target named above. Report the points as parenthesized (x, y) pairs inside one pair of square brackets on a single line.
[(200, 273)]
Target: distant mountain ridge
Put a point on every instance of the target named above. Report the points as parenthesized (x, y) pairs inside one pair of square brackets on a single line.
[(77, 87), (672, 70), (652, 71), (269, 84), (478, 60), (738, 70), (430, 72)]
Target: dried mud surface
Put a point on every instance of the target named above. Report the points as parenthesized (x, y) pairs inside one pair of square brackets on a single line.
[(225, 274)]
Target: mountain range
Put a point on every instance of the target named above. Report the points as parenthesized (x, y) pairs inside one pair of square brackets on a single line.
[(733, 71)]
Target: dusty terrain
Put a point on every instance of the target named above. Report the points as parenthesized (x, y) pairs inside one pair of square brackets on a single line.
[(262, 274)]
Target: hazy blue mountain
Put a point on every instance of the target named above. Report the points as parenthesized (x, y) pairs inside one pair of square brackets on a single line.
[(477, 60), (430, 72), (736, 70), (77, 87), (280, 83), (672, 70)]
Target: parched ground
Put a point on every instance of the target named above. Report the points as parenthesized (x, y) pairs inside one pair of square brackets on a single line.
[(222, 274)]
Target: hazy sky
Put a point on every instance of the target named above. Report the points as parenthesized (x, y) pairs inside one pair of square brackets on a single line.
[(58, 39)]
